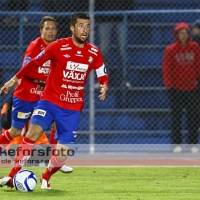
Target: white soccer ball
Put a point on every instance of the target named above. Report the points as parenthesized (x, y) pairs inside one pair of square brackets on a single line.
[(25, 181)]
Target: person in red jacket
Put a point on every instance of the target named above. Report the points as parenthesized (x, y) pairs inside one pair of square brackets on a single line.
[(180, 70)]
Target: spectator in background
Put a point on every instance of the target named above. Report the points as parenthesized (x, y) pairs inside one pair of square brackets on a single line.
[(196, 31), (111, 27), (181, 67)]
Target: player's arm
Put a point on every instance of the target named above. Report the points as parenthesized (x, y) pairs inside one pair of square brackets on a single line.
[(102, 75), (103, 80), (33, 74), (40, 59), (167, 68), (31, 52), (37, 76)]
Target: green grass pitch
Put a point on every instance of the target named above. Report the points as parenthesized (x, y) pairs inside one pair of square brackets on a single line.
[(114, 183)]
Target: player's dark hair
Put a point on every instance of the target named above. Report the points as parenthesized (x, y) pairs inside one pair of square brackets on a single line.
[(79, 15), (45, 19)]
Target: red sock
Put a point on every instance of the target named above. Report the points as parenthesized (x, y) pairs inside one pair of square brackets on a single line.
[(23, 153), (52, 134), (53, 141), (5, 139), (54, 165)]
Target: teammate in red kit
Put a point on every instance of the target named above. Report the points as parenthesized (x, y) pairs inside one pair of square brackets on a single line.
[(28, 89), (62, 99)]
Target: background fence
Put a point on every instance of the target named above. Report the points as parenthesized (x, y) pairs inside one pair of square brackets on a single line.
[(132, 36)]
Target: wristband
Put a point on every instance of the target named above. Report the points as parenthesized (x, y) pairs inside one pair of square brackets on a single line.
[(13, 80)]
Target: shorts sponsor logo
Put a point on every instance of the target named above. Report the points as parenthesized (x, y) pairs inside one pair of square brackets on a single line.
[(39, 112), (22, 115)]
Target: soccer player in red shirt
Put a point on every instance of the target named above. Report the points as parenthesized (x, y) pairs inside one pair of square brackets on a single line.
[(28, 89), (62, 100)]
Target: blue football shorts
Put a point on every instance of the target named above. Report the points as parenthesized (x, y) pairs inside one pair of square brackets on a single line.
[(66, 121), (22, 112)]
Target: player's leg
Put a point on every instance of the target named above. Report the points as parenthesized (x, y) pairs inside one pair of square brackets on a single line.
[(8, 135), (20, 116), (177, 105), (41, 120), (23, 153), (55, 163), (52, 139), (53, 142), (67, 125), (66, 169), (192, 114)]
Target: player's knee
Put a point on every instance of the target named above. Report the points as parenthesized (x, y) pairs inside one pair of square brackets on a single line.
[(34, 132), (14, 132), (61, 151)]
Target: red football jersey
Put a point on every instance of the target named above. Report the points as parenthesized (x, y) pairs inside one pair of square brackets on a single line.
[(29, 87), (69, 70)]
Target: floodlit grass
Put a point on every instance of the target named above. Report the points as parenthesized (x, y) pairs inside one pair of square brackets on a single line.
[(115, 183)]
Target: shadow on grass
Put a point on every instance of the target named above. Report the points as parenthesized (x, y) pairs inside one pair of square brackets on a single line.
[(36, 192)]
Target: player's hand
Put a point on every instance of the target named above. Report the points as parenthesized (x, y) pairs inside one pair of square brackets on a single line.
[(6, 86), (103, 90)]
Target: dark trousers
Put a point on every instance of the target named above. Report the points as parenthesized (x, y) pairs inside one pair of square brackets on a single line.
[(188, 100)]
